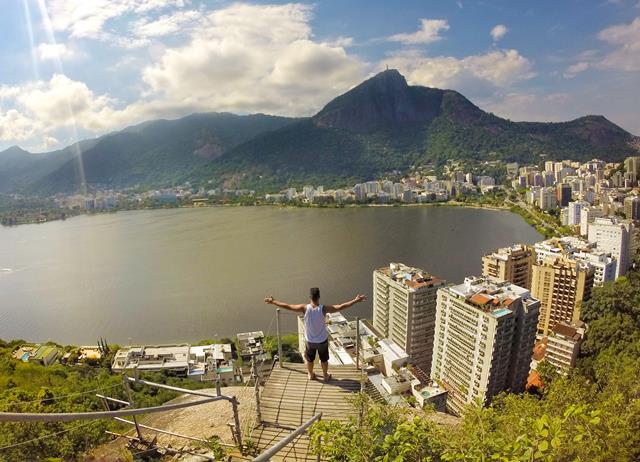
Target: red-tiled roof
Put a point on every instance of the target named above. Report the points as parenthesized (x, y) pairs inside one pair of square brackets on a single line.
[(534, 381), (480, 299), (567, 331), (539, 349)]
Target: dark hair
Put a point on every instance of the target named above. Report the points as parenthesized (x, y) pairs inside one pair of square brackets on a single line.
[(314, 293)]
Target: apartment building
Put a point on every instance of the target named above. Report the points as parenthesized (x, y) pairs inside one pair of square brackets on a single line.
[(587, 215), (484, 338), (632, 165), (562, 346), (632, 207), (561, 283), (604, 265), (574, 210), (547, 198), (613, 235), (511, 264), (404, 309), (563, 194)]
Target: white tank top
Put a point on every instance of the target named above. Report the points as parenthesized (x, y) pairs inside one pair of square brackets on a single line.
[(315, 329)]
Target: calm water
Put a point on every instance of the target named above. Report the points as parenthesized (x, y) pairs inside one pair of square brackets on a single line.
[(190, 274)]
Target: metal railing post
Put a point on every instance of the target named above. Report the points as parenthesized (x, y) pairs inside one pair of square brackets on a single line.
[(256, 389), (236, 418), (279, 337), (357, 342), (127, 389)]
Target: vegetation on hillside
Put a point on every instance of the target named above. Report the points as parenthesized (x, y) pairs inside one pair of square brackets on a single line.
[(31, 387)]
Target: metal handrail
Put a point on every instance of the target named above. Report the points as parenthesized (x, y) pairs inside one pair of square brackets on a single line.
[(280, 445), (72, 416), (232, 399)]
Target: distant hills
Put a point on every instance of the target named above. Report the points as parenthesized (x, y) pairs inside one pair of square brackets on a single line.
[(381, 125)]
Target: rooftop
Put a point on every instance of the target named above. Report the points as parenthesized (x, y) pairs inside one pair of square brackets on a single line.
[(250, 335), (491, 294), (392, 350), (504, 253), (572, 332), (413, 278)]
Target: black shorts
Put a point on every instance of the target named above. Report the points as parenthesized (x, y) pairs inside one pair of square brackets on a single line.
[(321, 348)]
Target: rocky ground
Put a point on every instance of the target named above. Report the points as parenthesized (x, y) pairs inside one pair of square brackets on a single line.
[(204, 421)]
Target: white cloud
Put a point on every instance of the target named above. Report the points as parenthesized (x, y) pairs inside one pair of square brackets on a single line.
[(41, 106), (55, 51), (498, 32), (242, 58), (250, 58), (429, 32), (575, 69), (531, 106), (90, 19), (626, 39), (499, 68), (167, 24), (15, 126)]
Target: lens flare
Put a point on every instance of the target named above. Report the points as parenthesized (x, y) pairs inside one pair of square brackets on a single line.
[(75, 147)]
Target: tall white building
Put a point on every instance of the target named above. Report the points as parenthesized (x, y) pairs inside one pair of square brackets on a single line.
[(573, 212), (587, 215), (484, 337), (547, 198), (613, 236), (404, 309)]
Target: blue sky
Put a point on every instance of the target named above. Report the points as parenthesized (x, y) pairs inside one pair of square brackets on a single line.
[(78, 69)]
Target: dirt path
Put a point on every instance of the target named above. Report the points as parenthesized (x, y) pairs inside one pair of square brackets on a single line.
[(203, 421)]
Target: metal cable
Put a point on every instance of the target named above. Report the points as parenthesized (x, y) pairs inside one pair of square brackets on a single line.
[(10, 446)]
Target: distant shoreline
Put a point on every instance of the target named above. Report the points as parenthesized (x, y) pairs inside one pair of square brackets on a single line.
[(39, 220)]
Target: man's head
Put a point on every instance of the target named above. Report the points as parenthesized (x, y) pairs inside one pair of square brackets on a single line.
[(314, 294)]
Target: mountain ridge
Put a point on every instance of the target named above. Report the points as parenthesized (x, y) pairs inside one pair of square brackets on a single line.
[(380, 125)]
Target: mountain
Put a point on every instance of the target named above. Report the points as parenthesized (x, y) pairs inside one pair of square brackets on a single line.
[(158, 152), (385, 124)]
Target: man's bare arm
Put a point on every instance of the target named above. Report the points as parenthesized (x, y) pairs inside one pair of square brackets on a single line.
[(343, 306), (272, 301)]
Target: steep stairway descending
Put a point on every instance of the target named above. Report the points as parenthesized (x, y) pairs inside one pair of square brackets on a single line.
[(289, 399)]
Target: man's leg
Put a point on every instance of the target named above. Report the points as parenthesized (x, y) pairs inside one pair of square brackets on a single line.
[(325, 369), (310, 369), (323, 352), (309, 358)]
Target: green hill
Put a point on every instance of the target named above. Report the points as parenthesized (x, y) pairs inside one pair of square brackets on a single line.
[(157, 153), (384, 124)]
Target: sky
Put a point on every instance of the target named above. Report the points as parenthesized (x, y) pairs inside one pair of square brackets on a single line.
[(75, 69)]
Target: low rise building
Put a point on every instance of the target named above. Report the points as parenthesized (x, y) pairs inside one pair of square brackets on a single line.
[(561, 347), (196, 362), (42, 354), (251, 345)]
